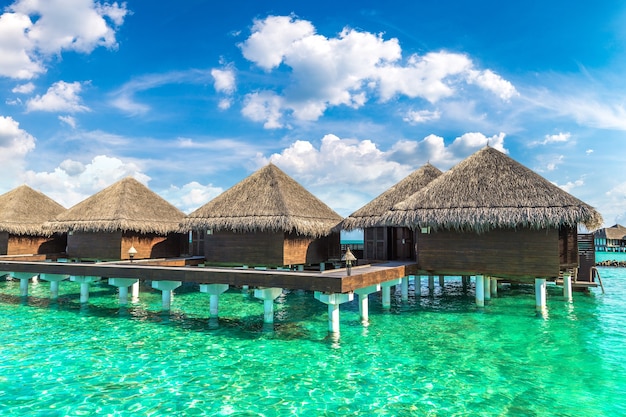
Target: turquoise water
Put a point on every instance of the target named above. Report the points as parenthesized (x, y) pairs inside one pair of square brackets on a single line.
[(610, 256), (432, 356)]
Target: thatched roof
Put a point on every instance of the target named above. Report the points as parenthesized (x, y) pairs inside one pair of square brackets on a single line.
[(487, 191), (23, 211), (615, 232), (127, 205), (268, 200), (370, 215)]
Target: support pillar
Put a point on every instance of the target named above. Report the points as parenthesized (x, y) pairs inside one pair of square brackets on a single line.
[(431, 283), (135, 291), (54, 280), (480, 291), (540, 294), (268, 295), (363, 294), (465, 280), (417, 284), (166, 287), (494, 287), (333, 300), (442, 282), (84, 282), (24, 277), (214, 290), (386, 290), (567, 287), (405, 289), (487, 288), (122, 284)]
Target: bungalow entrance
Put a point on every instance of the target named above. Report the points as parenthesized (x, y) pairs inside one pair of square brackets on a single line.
[(389, 243)]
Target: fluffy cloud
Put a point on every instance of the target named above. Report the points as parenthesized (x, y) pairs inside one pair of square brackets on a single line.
[(347, 173), (68, 120), (191, 196), (15, 144), (32, 30), (348, 70), (421, 116), (224, 83), (60, 97), (72, 181), (24, 88)]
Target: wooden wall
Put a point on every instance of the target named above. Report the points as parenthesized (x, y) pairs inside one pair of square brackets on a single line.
[(375, 243), (150, 245), (101, 246), (506, 253), (260, 248), (269, 248), (568, 247), (31, 245)]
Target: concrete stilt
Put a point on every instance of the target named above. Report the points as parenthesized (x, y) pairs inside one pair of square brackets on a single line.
[(405, 289), (363, 294), (54, 280), (567, 287), (122, 284), (214, 290), (166, 288), (494, 287), (268, 295), (84, 282), (487, 288), (386, 290), (135, 291), (417, 284), (465, 281), (540, 294), (24, 278), (431, 283), (480, 291), (442, 281), (333, 300)]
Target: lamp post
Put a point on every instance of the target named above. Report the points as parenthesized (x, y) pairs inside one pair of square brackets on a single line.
[(349, 258), (132, 252)]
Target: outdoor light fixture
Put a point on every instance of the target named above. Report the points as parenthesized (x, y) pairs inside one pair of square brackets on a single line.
[(349, 258), (132, 252)]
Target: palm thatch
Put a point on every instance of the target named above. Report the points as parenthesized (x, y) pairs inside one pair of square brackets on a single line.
[(488, 191), (615, 232), (370, 215), (23, 211), (126, 205), (268, 200)]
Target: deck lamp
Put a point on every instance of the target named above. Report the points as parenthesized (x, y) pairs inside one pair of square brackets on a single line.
[(349, 258), (132, 252)]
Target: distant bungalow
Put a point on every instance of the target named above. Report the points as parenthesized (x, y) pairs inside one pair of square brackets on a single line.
[(490, 215), (124, 215), (23, 211), (611, 239), (387, 242), (267, 219)]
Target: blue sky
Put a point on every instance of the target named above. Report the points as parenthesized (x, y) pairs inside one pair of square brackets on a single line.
[(347, 98)]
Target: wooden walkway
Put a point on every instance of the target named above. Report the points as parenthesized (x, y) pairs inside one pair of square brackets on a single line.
[(331, 281)]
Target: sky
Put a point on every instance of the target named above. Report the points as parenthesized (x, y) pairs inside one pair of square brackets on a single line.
[(347, 98)]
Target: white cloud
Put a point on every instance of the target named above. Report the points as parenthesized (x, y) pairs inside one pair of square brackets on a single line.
[(73, 181), (421, 116), (556, 138), (68, 120), (24, 88), (15, 144), (191, 195), (60, 97), (224, 80), (570, 185), (348, 70), (33, 30)]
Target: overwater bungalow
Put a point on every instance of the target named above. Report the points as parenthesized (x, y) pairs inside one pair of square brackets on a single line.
[(389, 242), (126, 214), (23, 211), (267, 219), (611, 239), (491, 216)]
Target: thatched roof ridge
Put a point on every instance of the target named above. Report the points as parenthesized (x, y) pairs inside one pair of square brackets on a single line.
[(489, 190), (127, 205), (267, 200), (370, 215), (23, 211), (615, 232)]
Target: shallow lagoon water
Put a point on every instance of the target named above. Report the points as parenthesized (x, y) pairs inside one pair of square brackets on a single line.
[(435, 355)]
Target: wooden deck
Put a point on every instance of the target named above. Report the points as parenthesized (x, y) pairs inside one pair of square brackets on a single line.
[(332, 281)]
